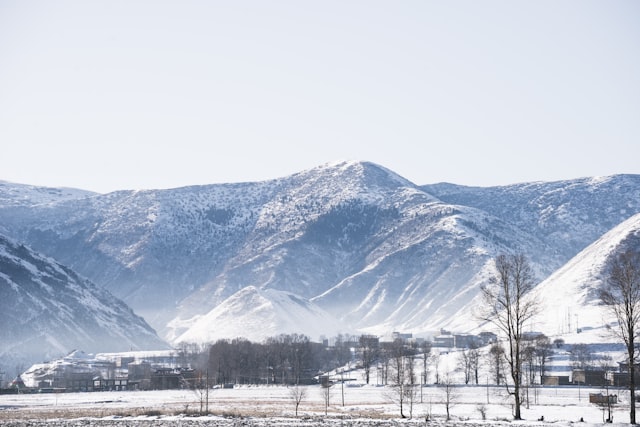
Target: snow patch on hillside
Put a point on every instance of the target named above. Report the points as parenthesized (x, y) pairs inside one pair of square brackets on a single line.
[(256, 314), (569, 297)]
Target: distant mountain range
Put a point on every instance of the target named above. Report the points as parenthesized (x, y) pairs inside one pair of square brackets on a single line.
[(348, 246)]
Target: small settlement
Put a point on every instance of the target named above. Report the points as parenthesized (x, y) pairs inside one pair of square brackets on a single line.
[(78, 371)]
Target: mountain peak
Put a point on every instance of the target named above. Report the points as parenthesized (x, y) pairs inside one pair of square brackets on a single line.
[(369, 172)]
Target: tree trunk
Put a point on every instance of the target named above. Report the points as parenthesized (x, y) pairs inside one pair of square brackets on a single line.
[(632, 389), (516, 392)]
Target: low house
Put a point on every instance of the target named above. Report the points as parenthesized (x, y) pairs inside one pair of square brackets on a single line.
[(444, 341), (466, 341), (115, 384), (172, 378), (139, 376), (77, 381), (554, 380), (592, 377), (401, 336)]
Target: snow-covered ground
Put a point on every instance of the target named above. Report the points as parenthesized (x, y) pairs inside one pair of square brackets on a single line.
[(273, 405), (365, 405)]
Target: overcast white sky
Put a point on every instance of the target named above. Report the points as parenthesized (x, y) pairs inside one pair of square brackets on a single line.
[(107, 95)]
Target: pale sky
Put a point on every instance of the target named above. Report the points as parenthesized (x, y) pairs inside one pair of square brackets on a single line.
[(108, 95)]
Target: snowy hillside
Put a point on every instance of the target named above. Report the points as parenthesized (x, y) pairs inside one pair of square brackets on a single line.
[(569, 297), (351, 239), (567, 215), (256, 315), (12, 194), (48, 310)]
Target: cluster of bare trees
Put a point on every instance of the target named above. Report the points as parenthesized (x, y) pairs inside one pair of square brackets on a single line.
[(283, 359)]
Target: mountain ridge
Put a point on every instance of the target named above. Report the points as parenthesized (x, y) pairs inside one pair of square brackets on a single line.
[(362, 243)]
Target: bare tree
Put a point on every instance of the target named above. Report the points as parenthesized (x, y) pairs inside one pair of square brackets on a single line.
[(604, 364), (326, 395), (425, 351), (464, 363), (200, 386), (621, 294), (297, 395), (435, 361), (369, 350), (474, 360), (581, 357), (543, 352), (468, 362), (496, 362), (529, 359), (411, 379), (399, 379), (507, 306), (450, 394)]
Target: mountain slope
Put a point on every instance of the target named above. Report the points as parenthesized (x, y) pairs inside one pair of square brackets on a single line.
[(566, 215), (49, 310), (349, 234), (12, 194), (569, 297), (257, 314), (362, 243)]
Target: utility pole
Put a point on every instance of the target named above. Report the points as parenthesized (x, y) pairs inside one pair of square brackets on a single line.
[(487, 389), (342, 381), (207, 393)]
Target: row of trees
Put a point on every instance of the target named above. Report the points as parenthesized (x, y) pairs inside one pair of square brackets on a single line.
[(294, 360)]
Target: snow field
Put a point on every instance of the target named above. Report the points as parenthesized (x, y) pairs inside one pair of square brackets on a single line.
[(273, 405)]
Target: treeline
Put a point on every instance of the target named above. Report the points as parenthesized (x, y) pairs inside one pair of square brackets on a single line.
[(295, 359), (282, 359), (292, 358)]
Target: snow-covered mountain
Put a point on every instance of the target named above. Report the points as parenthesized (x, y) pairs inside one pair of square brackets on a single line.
[(351, 239), (48, 310)]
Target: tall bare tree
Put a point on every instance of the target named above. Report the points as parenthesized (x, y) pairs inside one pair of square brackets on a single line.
[(509, 307), (621, 294)]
